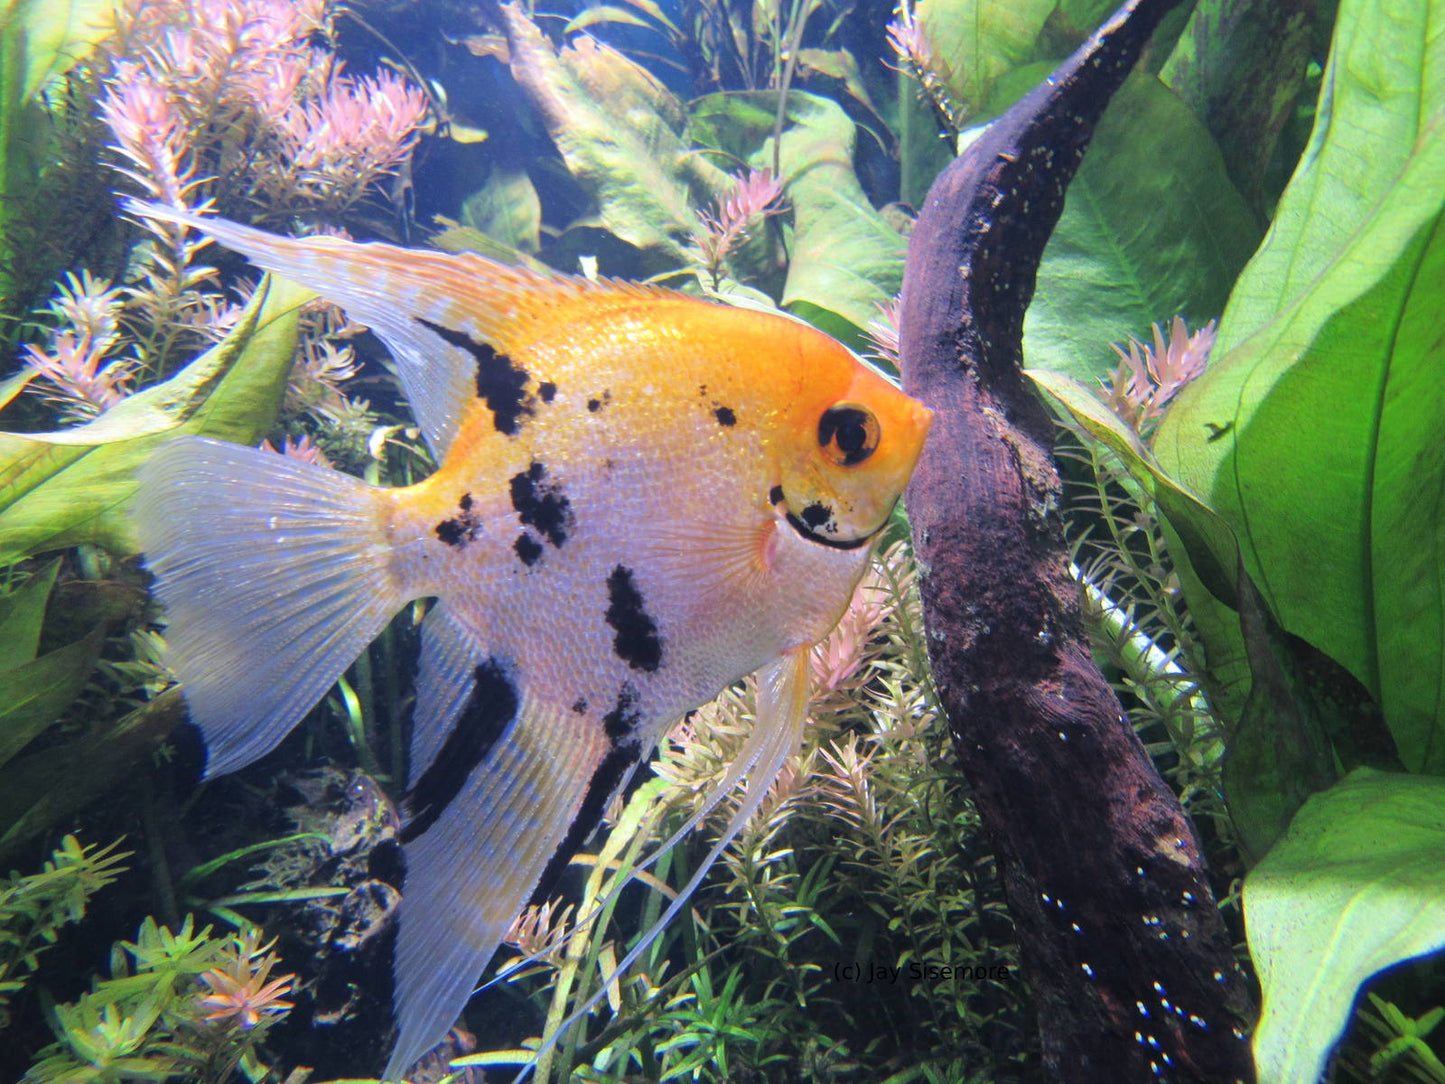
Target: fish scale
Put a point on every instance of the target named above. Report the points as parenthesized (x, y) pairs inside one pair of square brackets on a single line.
[(641, 498)]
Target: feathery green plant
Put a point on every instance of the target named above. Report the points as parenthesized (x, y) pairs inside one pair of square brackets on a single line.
[(179, 1003), (34, 907)]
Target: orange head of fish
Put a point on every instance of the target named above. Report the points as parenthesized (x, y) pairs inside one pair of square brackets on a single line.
[(855, 441)]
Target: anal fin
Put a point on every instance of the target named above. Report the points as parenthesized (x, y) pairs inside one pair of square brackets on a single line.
[(484, 843), (782, 710), (444, 684)]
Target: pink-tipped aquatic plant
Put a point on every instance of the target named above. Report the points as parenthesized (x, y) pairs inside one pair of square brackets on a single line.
[(236, 92), (229, 105), (751, 199), (78, 370), (882, 332), (915, 56), (1148, 377)]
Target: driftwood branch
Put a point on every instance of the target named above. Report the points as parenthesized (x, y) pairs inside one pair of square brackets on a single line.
[(1128, 958)]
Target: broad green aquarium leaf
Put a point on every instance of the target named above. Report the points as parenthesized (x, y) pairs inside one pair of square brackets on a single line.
[(1357, 885), (974, 43), (1151, 227), (41, 789), (39, 41), (61, 489), (1316, 430), (33, 694), (622, 134), (506, 209), (1240, 65), (22, 611), (49, 37)]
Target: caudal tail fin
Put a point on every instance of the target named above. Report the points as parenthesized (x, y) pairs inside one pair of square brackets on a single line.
[(274, 576)]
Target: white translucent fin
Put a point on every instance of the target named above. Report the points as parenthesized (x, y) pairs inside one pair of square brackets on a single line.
[(389, 289), (782, 709), (273, 576), (444, 682), (470, 874), (712, 559)]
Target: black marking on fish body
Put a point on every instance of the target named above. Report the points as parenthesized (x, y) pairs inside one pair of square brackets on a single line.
[(452, 532), (816, 514), (725, 417), (580, 705), (462, 528), (623, 719), (488, 712), (527, 548), (605, 781), (597, 402), (541, 504), (636, 642), (501, 382), (775, 495), (547, 390)]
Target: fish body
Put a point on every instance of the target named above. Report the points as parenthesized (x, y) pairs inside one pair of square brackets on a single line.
[(641, 498)]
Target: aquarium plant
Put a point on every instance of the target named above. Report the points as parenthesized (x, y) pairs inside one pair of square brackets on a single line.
[(1250, 501)]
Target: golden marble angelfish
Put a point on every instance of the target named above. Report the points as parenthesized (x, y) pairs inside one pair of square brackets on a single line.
[(642, 498)]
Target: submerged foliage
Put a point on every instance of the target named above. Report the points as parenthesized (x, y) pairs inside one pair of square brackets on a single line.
[(177, 1003), (34, 907), (760, 154)]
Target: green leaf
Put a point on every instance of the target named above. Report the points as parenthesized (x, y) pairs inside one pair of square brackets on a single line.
[(1152, 227), (846, 259), (506, 209), (62, 489), (1355, 886), (1326, 380), (33, 695), (53, 36), (39, 41), (975, 42), (1296, 696), (22, 612), (1240, 65), (43, 789), (1279, 754), (621, 133), (603, 14)]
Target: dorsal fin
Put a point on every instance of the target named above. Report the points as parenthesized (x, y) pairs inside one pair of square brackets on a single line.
[(444, 316)]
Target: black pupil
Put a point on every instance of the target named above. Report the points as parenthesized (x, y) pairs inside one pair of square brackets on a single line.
[(851, 435), (847, 428)]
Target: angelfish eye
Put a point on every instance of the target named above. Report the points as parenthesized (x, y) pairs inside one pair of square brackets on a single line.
[(848, 434)]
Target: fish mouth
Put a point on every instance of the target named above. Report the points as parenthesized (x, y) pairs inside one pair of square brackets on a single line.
[(832, 543), (803, 530)]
